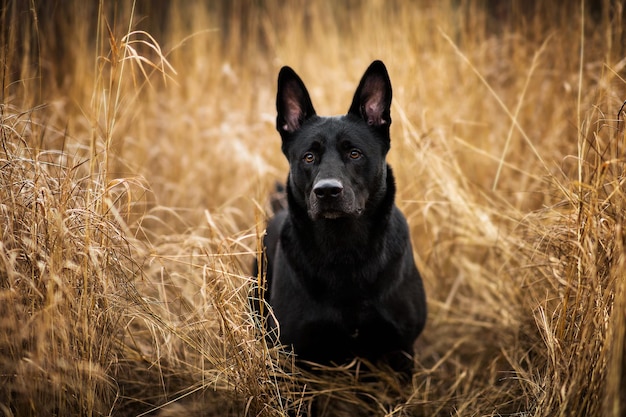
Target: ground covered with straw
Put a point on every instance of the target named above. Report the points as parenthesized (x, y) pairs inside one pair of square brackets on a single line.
[(138, 153)]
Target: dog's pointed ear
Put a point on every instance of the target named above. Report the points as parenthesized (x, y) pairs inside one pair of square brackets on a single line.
[(293, 102), (372, 99)]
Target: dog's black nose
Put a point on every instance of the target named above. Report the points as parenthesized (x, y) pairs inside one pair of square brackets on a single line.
[(328, 189)]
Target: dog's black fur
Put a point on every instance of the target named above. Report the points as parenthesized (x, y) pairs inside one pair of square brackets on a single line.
[(341, 278)]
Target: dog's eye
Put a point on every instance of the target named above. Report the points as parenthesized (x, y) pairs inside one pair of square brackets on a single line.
[(355, 154), (308, 157)]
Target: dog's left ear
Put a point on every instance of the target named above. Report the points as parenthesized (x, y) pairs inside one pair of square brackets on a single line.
[(372, 99)]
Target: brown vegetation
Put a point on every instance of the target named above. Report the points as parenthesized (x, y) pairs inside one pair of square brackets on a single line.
[(138, 150)]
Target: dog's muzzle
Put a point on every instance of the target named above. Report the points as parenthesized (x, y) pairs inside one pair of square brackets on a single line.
[(330, 200)]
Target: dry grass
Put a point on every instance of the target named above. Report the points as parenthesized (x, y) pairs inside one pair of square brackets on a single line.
[(138, 150)]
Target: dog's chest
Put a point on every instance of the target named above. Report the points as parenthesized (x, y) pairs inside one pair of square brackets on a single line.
[(358, 327), (352, 314)]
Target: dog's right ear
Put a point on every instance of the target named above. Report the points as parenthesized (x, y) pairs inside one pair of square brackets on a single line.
[(293, 102)]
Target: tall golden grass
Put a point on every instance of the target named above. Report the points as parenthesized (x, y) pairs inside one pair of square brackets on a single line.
[(138, 152)]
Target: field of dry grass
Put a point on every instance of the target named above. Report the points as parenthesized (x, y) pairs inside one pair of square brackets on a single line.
[(138, 150)]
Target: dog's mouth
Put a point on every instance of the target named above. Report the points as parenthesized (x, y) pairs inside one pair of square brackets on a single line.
[(331, 214), (334, 214)]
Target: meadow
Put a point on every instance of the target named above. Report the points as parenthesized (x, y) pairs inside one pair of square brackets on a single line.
[(138, 152)]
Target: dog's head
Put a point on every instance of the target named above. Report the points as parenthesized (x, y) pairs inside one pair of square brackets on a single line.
[(337, 164)]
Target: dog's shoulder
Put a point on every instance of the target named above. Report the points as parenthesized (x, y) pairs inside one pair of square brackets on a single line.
[(273, 230)]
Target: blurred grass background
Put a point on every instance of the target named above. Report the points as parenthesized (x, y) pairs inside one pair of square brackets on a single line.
[(138, 152)]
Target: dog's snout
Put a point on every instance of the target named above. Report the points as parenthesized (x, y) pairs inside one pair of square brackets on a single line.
[(328, 188)]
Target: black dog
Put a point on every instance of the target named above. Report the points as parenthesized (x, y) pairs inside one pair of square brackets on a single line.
[(341, 277)]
